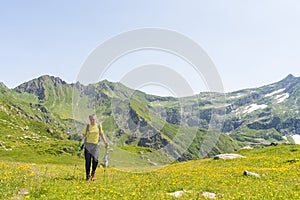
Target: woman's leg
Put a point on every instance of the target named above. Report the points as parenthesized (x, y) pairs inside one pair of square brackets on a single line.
[(94, 167), (88, 158)]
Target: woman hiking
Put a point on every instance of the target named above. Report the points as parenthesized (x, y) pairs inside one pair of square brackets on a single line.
[(92, 134)]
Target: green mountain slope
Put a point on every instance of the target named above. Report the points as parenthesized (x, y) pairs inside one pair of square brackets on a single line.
[(184, 128)]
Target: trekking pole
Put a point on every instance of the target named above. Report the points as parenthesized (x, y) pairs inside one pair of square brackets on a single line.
[(105, 161), (80, 147)]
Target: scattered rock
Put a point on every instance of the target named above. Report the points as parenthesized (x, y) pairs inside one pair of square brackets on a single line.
[(23, 191), (177, 193), (44, 110), (293, 160), (210, 195), (273, 144), (228, 156), (152, 163), (247, 147), (247, 173), (2, 108), (142, 157), (49, 130)]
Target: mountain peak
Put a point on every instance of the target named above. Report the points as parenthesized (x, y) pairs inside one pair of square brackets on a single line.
[(290, 80), (55, 80), (289, 77), (3, 85), (38, 86)]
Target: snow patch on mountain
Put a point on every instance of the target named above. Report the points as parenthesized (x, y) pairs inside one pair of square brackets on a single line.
[(280, 98), (296, 138), (237, 96), (285, 138), (275, 92), (253, 107)]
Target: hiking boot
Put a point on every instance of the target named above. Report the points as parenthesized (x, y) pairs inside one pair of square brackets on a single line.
[(93, 177), (88, 177)]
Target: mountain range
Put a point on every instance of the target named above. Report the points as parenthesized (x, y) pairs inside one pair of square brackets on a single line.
[(185, 128)]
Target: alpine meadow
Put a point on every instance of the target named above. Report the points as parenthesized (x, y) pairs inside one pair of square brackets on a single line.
[(158, 146)]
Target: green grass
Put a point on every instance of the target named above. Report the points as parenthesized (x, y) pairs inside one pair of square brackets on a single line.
[(279, 179), (140, 108)]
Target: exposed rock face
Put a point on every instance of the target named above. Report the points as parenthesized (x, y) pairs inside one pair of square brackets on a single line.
[(37, 86), (193, 121), (33, 88), (173, 116), (273, 123), (291, 125), (133, 120), (206, 114), (155, 141), (246, 100), (78, 86), (149, 137), (231, 124)]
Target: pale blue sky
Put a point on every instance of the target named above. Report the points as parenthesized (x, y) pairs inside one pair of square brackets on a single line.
[(251, 42)]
